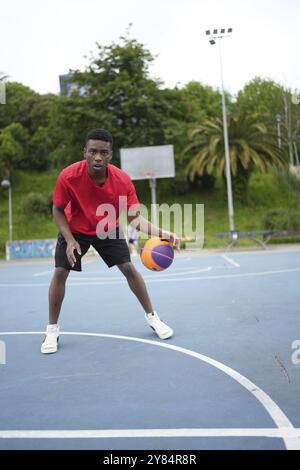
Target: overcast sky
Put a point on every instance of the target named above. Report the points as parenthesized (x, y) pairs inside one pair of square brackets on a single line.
[(41, 39)]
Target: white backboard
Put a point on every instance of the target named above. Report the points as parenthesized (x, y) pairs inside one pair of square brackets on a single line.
[(148, 162)]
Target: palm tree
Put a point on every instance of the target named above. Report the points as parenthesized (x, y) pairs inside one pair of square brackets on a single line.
[(251, 146)]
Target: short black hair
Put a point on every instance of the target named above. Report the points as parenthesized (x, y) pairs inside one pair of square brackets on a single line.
[(99, 134)]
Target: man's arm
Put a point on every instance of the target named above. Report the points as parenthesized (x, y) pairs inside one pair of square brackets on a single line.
[(143, 225), (63, 226)]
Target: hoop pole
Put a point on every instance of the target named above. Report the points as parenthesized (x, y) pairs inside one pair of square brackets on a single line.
[(152, 183)]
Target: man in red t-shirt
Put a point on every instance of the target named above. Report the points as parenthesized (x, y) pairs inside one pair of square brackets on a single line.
[(88, 198)]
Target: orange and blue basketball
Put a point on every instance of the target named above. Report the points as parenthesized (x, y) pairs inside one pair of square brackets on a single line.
[(157, 254)]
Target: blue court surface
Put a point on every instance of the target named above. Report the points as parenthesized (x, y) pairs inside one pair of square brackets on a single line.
[(228, 379)]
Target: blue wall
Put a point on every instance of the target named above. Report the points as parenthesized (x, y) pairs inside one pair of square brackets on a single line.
[(30, 249)]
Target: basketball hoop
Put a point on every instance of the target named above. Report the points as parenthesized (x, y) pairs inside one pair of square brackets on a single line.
[(148, 162)]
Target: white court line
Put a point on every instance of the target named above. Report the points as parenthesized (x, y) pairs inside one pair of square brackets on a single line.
[(231, 261), (145, 276), (268, 252), (283, 433), (109, 278), (50, 271), (189, 255), (43, 273), (218, 252), (182, 279), (181, 257), (87, 273), (277, 415)]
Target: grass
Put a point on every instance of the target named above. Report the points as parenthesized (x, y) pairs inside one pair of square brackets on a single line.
[(24, 227), (266, 192)]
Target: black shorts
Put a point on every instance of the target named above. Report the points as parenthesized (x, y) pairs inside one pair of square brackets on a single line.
[(113, 251)]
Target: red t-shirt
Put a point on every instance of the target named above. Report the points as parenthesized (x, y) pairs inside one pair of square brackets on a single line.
[(85, 202)]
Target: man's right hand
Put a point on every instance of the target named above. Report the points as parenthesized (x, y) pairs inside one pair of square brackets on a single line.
[(71, 247)]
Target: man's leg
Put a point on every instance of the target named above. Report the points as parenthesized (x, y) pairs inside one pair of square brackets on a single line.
[(57, 293), (56, 297), (138, 287)]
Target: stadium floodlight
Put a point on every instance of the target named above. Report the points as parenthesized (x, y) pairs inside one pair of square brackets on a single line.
[(212, 41), (217, 33)]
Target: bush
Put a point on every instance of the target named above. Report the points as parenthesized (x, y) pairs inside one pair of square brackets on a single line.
[(290, 181), (294, 221), (282, 219), (36, 204), (205, 182), (180, 186)]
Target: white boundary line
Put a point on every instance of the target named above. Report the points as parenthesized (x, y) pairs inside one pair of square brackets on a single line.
[(188, 254), (231, 261), (146, 277), (283, 433), (269, 251), (284, 425), (181, 279), (259, 251), (108, 278), (43, 273)]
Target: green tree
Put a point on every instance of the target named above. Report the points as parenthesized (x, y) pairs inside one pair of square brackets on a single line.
[(259, 96), (41, 146), (19, 103), (32, 112), (270, 99), (116, 92), (13, 148), (251, 146), (202, 102), (41, 111)]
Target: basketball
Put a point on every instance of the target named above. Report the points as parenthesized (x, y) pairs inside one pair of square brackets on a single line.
[(157, 254)]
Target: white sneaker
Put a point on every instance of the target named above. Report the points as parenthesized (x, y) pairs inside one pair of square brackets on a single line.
[(161, 329), (50, 344)]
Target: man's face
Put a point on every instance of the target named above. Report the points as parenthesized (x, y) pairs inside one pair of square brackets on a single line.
[(98, 155)]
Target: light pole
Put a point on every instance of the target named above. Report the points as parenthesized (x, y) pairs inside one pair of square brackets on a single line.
[(7, 185), (217, 35), (278, 120)]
